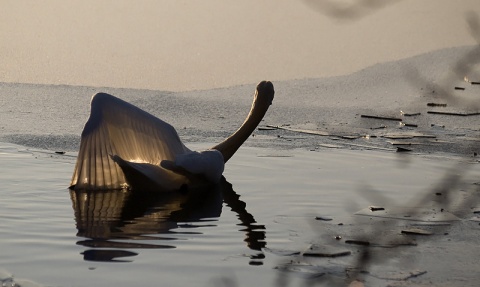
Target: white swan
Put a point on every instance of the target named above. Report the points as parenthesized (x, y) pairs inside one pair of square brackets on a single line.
[(123, 146)]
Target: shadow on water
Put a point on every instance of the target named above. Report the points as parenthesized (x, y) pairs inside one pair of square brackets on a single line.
[(113, 221)]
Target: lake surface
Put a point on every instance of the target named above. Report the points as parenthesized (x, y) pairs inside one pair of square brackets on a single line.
[(242, 232)]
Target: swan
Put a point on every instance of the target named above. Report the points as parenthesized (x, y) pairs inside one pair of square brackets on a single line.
[(123, 146)]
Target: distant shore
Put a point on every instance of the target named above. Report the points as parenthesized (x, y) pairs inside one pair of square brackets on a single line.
[(52, 116)]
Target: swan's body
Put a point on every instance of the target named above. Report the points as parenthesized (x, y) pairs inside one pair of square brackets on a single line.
[(124, 146)]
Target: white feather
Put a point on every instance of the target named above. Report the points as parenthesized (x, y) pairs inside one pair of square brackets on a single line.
[(208, 163), (119, 137)]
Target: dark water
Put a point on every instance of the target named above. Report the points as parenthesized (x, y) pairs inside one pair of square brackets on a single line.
[(243, 231)]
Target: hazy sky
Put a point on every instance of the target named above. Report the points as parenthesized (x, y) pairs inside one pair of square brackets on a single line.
[(203, 44)]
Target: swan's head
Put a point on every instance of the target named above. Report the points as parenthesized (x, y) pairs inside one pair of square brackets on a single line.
[(264, 93)]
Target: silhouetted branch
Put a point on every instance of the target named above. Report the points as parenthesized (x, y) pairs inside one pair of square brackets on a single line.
[(462, 70), (447, 197), (340, 10)]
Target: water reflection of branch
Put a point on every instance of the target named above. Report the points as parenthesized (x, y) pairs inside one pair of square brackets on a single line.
[(348, 12), (438, 204), (383, 240)]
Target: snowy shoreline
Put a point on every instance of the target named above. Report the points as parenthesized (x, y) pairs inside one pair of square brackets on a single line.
[(52, 117)]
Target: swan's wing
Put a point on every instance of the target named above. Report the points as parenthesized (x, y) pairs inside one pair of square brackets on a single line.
[(117, 128)]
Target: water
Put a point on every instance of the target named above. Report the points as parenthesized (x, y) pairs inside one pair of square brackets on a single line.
[(270, 203)]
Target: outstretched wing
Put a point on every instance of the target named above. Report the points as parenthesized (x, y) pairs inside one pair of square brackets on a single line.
[(117, 128)]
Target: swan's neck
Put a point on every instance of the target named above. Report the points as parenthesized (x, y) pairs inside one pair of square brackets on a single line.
[(230, 145)]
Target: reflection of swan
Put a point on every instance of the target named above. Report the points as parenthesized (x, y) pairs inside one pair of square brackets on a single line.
[(118, 220), (123, 145)]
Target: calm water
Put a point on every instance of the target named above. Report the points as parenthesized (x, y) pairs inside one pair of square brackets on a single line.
[(266, 206)]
